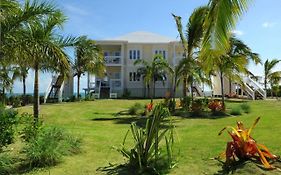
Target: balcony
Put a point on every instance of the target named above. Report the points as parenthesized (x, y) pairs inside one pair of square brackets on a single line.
[(112, 60)]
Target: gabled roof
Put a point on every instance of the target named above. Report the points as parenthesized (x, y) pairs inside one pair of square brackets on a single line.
[(143, 37)]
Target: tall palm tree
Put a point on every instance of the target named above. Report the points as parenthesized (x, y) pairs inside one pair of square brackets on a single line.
[(190, 42), (234, 62), (44, 48), (153, 71), (21, 72), (220, 21), (89, 59), (269, 74)]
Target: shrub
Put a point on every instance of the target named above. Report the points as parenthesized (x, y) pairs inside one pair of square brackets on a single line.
[(29, 131), (136, 109), (216, 107), (235, 110), (185, 102), (5, 163), (246, 107), (17, 102), (8, 121), (49, 145), (244, 147), (145, 154), (197, 106)]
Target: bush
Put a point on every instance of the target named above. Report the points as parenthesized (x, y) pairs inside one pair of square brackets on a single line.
[(197, 106), (49, 145), (185, 102), (170, 104), (136, 109), (146, 155), (5, 163), (216, 107), (17, 102), (246, 107), (235, 110), (8, 121), (29, 131)]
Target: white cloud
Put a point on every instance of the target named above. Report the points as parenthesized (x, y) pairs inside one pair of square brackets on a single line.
[(76, 10), (268, 24), (237, 32)]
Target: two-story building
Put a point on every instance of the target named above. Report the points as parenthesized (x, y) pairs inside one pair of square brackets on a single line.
[(120, 54)]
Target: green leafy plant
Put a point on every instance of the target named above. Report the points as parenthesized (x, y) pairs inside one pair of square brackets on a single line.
[(8, 121), (236, 111), (145, 154), (197, 106), (5, 163), (49, 145), (246, 107), (136, 109), (185, 102)]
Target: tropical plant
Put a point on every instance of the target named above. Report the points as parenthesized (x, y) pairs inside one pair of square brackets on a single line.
[(244, 147), (21, 73), (89, 59), (216, 107), (190, 42), (44, 48), (271, 76), (8, 121), (145, 153), (154, 71), (136, 109), (234, 62), (49, 145), (246, 107), (236, 110)]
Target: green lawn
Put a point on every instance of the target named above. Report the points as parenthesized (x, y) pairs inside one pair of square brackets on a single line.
[(198, 139)]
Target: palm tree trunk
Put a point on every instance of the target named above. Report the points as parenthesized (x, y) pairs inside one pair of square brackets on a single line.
[(184, 86), (230, 88), (222, 88), (174, 89), (36, 96), (191, 90), (24, 90), (153, 88), (78, 87)]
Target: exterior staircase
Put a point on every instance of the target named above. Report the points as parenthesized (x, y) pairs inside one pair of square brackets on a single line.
[(54, 91)]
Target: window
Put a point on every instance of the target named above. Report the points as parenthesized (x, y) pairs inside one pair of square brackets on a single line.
[(117, 53), (134, 54), (134, 76), (106, 53), (161, 52)]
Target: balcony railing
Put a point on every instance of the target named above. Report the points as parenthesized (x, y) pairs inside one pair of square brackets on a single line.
[(112, 59)]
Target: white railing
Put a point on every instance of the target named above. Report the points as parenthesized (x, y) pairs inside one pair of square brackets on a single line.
[(112, 59), (254, 85), (115, 84), (250, 91), (48, 91)]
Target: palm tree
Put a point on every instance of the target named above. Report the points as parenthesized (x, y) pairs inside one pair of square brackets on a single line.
[(154, 71), (21, 72), (220, 21), (190, 42), (44, 48), (234, 62), (269, 74), (89, 59)]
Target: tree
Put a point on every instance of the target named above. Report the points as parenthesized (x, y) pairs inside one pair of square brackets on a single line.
[(271, 76), (21, 72), (89, 59), (234, 62), (190, 42), (44, 48), (153, 71)]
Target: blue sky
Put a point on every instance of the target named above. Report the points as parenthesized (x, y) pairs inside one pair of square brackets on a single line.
[(259, 28)]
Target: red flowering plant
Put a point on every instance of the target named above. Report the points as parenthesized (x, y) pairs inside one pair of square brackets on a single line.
[(244, 147), (216, 106)]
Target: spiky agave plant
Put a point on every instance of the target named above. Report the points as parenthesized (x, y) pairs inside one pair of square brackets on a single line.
[(244, 147), (145, 153)]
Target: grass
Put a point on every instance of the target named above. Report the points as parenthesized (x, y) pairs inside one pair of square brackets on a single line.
[(100, 128)]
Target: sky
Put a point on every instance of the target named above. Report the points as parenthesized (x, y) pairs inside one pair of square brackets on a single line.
[(259, 28)]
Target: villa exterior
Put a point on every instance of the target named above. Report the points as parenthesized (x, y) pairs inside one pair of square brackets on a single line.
[(120, 54)]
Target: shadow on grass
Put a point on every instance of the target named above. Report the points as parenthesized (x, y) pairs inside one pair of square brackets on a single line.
[(248, 167), (139, 120)]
